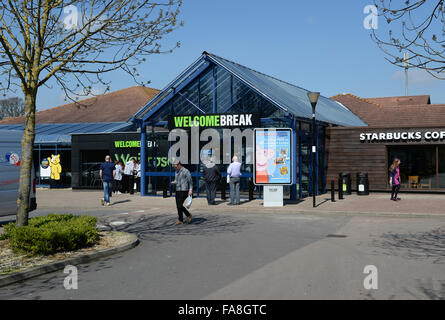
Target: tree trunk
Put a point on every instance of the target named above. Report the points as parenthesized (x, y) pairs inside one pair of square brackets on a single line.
[(26, 159)]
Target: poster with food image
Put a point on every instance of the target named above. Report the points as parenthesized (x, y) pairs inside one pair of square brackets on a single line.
[(273, 153)]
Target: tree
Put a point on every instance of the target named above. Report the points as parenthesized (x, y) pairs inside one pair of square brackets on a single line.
[(94, 38), (12, 107), (421, 33)]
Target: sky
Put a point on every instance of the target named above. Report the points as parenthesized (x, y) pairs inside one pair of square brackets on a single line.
[(318, 45)]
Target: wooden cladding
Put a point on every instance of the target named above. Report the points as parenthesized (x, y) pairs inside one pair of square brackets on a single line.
[(347, 153)]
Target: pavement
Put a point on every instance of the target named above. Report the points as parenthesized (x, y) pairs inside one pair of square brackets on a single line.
[(251, 252), (373, 204)]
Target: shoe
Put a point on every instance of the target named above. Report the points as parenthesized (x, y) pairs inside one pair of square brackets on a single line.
[(102, 201), (189, 219), (108, 204), (119, 192), (230, 204), (178, 223), (398, 199)]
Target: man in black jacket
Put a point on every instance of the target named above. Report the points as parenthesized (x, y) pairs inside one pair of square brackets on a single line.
[(211, 177)]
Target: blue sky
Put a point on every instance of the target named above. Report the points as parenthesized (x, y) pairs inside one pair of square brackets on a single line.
[(318, 45)]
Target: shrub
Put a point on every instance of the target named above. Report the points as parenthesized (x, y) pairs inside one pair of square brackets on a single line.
[(53, 233)]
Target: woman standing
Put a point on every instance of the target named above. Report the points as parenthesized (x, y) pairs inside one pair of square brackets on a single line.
[(394, 179), (118, 178)]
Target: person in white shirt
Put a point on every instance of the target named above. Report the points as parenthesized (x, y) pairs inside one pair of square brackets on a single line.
[(138, 176), (118, 178), (129, 176)]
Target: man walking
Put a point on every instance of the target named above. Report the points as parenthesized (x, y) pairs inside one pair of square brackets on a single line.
[(107, 172), (184, 188), (211, 177), (234, 173)]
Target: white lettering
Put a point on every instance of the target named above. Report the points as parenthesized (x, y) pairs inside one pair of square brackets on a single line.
[(371, 280), (70, 282)]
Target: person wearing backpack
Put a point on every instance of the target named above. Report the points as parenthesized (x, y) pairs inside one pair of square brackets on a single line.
[(184, 188), (394, 179)]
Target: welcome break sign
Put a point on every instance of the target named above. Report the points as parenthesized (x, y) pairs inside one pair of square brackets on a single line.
[(214, 121)]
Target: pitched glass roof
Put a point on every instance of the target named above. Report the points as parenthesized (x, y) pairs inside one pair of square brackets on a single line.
[(291, 98), (283, 95), (61, 132)]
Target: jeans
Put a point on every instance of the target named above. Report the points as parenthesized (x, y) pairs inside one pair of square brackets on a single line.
[(234, 190), (108, 186)]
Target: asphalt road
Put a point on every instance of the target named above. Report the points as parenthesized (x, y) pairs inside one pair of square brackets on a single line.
[(258, 256)]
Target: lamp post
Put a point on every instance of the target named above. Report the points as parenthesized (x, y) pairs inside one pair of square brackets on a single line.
[(313, 98)]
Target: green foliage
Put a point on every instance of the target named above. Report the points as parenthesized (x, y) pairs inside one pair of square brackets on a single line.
[(53, 233)]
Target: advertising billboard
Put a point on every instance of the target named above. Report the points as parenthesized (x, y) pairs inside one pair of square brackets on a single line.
[(273, 156)]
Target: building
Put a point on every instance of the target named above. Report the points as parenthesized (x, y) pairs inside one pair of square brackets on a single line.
[(409, 128), (216, 86), (104, 114)]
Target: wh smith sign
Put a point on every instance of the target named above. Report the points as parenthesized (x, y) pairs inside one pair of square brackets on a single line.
[(214, 121)]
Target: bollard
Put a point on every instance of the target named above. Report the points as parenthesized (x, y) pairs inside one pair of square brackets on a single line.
[(340, 188), (332, 191), (250, 190), (223, 188), (165, 189)]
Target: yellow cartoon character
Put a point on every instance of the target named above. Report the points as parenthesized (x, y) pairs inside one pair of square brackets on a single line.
[(56, 168)]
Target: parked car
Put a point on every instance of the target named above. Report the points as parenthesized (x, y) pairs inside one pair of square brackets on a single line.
[(10, 154)]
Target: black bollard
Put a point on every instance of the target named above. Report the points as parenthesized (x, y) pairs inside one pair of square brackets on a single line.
[(251, 186), (332, 190), (165, 188), (223, 188), (340, 188)]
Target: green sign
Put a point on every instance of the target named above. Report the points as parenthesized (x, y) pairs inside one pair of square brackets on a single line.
[(127, 144), (214, 121)]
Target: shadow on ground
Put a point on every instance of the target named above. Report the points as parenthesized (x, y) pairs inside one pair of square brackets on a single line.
[(162, 228), (422, 245)]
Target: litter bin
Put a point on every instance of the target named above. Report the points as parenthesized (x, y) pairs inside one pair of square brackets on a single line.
[(362, 184), (346, 178)]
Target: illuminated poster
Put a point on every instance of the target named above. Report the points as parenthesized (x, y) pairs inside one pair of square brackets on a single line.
[(273, 156)]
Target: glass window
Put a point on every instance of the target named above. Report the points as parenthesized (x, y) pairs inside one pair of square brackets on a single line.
[(418, 166), (222, 90), (442, 167), (90, 167), (206, 92)]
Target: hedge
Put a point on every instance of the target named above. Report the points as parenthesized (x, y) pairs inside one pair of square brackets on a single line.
[(53, 233)]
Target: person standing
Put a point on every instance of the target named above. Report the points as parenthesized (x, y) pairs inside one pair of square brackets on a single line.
[(118, 178), (234, 173), (129, 176), (211, 177), (184, 187), (107, 172), (394, 179), (138, 176)]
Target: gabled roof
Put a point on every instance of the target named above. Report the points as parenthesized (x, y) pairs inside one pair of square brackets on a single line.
[(116, 106), (283, 95), (401, 101), (61, 132), (394, 115)]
